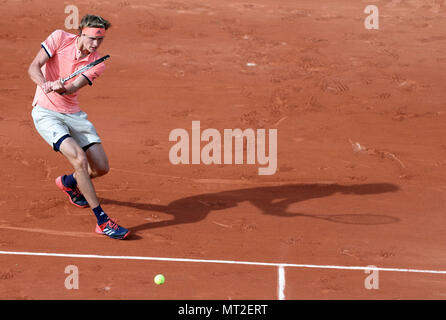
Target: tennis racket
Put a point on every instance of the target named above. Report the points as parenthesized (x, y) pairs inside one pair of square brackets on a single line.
[(85, 68)]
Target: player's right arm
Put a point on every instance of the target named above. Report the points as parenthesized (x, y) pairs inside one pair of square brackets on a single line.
[(35, 71)]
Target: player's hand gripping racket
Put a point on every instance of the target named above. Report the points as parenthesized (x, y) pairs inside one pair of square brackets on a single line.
[(85, 68)]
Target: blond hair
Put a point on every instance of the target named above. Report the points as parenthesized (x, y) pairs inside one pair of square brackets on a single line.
[(92, 21)]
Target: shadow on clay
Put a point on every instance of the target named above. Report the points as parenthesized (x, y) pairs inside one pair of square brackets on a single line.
[(269, 200)]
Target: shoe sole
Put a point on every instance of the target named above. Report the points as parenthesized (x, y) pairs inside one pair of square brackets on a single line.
[(61, 187)]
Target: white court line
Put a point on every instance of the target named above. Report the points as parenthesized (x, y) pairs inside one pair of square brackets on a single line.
[(281, 283), (267, 264)]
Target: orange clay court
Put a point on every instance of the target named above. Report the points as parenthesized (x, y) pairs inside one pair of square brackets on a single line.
[(361, 153)]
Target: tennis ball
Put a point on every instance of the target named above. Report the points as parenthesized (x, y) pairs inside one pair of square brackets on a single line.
[(159, 279)]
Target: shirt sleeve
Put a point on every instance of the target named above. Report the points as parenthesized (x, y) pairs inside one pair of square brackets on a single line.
[(52, 43), (94, 72)]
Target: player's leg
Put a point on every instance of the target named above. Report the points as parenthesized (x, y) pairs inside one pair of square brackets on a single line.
[(79, 160), (85, 136), (97, 166), (84, 132), (57, 130), (50, 125), (89, 160), (97, 160)]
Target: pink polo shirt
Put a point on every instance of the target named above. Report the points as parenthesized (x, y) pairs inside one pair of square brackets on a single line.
[(63, 61)]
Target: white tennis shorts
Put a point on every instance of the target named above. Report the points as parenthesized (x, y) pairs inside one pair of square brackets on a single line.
[(53, 126)]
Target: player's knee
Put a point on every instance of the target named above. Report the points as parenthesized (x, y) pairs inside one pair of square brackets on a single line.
[(99, 170), (80, 162), (105, 169), (102, 170)]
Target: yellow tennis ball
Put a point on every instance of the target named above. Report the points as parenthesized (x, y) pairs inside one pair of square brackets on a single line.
[(159, 279)]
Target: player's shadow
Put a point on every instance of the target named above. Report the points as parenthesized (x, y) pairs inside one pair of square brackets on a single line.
[(269, 200)]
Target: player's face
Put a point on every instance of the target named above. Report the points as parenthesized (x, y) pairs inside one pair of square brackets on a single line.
[(92, 43)]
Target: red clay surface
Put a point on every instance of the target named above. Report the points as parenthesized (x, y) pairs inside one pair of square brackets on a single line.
[(321, 79)]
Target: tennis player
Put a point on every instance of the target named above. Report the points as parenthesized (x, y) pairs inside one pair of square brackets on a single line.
[(62, 124)]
